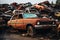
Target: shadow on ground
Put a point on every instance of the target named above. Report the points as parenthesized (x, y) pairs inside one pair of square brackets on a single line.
[(4, 35)]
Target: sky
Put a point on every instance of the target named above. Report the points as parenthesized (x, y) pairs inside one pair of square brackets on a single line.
[(24, 1)]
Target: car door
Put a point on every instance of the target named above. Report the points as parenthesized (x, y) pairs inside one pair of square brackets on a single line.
[(13, 21), (20, 22)]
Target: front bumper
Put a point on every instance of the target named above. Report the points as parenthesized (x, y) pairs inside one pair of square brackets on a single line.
[(44, 26)]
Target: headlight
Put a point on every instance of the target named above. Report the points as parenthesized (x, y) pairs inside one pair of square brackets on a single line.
[(38, 23)]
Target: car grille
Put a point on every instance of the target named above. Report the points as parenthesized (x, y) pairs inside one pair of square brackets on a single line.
[(46, 23)]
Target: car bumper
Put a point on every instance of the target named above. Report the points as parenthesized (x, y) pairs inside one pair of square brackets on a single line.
[(43, 26)]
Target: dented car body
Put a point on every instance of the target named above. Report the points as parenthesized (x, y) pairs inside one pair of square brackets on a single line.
[(31, 22), (21, 21)]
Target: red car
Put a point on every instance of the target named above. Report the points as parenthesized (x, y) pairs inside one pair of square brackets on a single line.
[(30, 22)]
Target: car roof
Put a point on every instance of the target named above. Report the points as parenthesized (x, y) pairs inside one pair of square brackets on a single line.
[(24, 13)]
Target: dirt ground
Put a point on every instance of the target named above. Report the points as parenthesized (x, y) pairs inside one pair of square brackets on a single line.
[(18, 36)]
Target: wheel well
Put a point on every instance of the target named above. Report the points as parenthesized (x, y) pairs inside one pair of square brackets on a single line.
[(28, 25)]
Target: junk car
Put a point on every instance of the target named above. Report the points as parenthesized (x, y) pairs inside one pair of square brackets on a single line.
[(30, 22)]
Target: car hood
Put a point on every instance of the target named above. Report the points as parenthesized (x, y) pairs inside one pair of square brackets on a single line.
[(41, 19)]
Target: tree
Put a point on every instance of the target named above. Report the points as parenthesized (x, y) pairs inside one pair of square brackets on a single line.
[(58, 2)]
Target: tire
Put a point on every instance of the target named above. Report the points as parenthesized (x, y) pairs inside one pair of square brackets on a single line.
[(30, 31)]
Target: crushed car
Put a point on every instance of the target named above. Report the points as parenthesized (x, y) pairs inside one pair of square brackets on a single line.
[(3, 21)]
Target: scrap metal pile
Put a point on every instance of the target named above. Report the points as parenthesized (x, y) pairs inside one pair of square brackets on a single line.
[(41, 9)]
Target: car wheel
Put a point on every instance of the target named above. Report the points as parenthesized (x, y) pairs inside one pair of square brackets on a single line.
[(30, 31)]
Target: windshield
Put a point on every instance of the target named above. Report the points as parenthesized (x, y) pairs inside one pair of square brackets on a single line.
[(33, 11), (29, 15)]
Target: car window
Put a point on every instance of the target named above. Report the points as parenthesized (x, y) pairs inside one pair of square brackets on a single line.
[(15, 17), (20, 16), (29, 15)]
